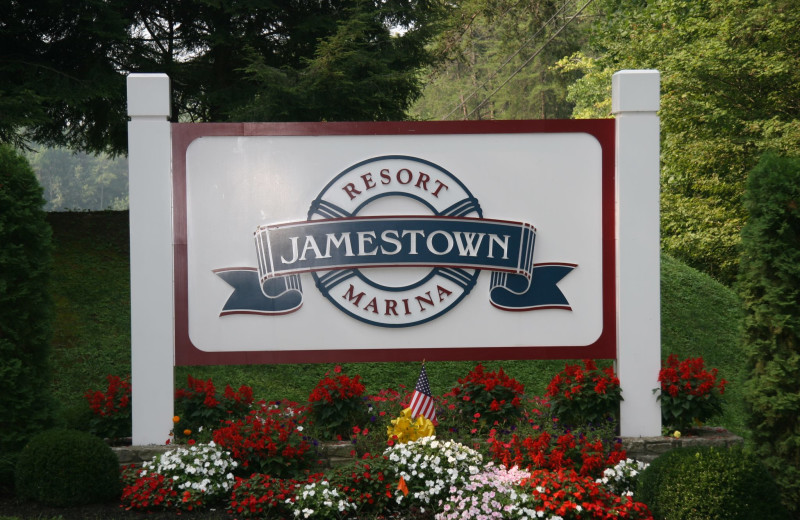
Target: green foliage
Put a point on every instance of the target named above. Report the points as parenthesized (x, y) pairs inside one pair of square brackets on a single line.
[(709, 483), (769, 284), (67, 468), (25, 305), (730, 81), (591, 94), (344, 66), (496, 61), (91, 336), (64, 81), (61, 82), (699, 315)]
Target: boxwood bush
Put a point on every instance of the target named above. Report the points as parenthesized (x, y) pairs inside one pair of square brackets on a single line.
[(710, 483), (63, 468)]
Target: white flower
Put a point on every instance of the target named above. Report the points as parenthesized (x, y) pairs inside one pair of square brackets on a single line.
[(620, 478), (194, 468)]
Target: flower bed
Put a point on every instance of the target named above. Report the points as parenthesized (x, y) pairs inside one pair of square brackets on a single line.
[(491, 452)]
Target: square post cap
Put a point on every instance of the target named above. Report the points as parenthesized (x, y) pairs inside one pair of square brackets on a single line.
[(635, 91), (149, 95)]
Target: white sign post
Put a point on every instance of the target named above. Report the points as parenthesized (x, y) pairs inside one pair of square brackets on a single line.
[(205, 201), (635, 101), (152, 308)]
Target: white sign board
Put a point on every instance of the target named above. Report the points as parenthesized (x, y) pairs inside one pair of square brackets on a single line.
[(400, 237)]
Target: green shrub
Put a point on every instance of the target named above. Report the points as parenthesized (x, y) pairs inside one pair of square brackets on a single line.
[(707, 483), (74, 416), (769, 284), (8, 462), (67, 468), (25, 306)]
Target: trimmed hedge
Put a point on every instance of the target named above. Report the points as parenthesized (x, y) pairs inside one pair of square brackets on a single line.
[(708, 483)]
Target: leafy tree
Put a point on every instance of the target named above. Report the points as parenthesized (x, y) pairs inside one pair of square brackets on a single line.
[(730, 89), (769, 284), (62, 74), (25, 308), (497, 61), (76, 180)]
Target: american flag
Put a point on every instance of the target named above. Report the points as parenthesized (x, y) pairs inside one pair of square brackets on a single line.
[(422, 398)]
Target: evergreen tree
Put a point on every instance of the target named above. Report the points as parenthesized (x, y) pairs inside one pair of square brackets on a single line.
[(62, 76), (769, 284), (25, 308)]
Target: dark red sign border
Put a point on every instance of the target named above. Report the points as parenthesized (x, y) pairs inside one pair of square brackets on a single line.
[(183, 134)]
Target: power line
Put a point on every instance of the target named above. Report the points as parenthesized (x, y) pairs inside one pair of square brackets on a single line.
[(496, 72), (527, 62), (452, 44), (531, 58)]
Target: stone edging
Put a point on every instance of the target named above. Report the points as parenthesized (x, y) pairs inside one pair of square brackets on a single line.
[(645, 449), (336, 453)]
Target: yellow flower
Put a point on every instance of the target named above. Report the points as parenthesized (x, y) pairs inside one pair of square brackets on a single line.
[(407, 429), (677, 434)]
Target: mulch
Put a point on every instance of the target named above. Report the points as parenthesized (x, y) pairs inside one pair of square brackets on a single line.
[(11, 506)]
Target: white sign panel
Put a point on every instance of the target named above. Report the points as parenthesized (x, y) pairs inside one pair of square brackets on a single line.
[(399, 241)]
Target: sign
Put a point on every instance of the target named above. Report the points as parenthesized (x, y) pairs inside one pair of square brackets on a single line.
[(393, 241), (581, 197)]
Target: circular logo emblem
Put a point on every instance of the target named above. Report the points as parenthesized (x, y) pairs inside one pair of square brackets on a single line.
[(396, 186)]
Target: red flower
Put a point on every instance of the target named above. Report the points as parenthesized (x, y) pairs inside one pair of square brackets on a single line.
[(492, 394), (682, 383)]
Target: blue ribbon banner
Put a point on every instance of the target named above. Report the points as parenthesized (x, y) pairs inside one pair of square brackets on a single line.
[(287, 250)]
